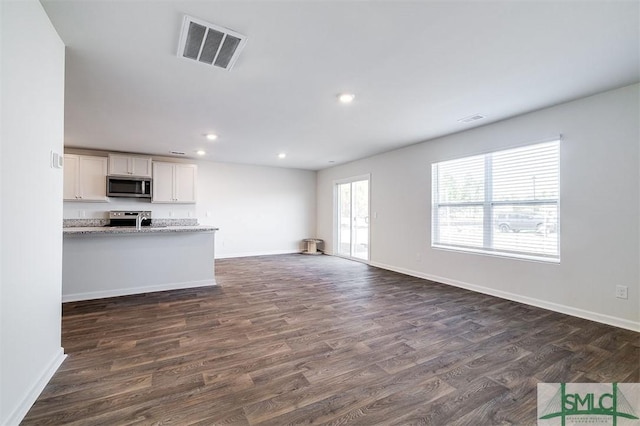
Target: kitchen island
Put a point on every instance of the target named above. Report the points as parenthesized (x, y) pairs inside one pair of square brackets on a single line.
[(100, 261)]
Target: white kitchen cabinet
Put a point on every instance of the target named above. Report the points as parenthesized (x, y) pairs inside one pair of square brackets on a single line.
[(174, 182), (85, 178), (185, 181), (163, 183), (129, 165), (70, 177)]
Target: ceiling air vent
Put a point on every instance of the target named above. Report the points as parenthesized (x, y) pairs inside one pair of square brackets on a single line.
[(209, 44), (471, 118)]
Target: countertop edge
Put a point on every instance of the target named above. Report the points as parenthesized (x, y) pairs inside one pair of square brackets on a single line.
[(133, 231)]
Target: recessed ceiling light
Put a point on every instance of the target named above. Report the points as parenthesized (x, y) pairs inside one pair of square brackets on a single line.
[(201, 152), (282, 155), (346, 98), (211, 136)]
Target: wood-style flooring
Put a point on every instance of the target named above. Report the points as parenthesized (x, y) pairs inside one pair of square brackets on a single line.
[(297, 339)]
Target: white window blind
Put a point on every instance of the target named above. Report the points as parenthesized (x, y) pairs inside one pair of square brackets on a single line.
[(505, 202)]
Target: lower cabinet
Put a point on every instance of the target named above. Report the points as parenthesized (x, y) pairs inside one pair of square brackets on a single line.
[(174, 182), (85, 178)]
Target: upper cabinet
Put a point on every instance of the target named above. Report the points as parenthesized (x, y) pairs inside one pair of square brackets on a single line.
[(174, 182), (129, 165), (85, 178)]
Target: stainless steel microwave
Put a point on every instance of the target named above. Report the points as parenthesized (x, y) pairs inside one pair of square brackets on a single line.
[(123, 186)]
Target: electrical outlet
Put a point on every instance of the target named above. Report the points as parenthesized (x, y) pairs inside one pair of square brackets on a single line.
[(621, 291)]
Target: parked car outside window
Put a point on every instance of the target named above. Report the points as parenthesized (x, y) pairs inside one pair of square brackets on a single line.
[(516, 222)]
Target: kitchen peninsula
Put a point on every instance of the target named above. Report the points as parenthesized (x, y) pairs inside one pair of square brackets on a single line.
[(101, 261)]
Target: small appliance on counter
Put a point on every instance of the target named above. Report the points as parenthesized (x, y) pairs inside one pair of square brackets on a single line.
[(129, 218)]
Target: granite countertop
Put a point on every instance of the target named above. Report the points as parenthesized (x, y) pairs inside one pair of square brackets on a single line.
[(110, 230)]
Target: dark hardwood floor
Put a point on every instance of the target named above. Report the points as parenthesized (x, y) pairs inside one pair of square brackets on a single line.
[(297, 339)]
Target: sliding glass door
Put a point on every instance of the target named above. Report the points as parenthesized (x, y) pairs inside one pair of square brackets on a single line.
[(352, 218)]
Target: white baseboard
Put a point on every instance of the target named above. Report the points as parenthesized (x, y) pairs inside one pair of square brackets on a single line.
[(256, 253), (135, 290), (30, 398), (556, 307)]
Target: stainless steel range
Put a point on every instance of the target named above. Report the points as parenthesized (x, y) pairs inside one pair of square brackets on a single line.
[(129, 218)]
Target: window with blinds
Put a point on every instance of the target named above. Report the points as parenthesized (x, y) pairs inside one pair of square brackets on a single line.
[(504, 202)]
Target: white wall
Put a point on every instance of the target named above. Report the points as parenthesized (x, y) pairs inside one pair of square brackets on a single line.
[(2, 410), (31, 210), (259, 210), (599, 210)]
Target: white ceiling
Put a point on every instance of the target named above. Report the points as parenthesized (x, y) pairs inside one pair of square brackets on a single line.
[(415, 67)]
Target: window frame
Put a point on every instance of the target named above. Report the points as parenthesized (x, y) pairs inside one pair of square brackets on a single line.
[(488, 206)]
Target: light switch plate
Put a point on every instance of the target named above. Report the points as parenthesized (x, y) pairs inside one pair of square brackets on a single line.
[(57, 160)]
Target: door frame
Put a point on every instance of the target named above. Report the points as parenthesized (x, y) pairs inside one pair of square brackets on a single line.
[(336, 216)]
